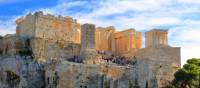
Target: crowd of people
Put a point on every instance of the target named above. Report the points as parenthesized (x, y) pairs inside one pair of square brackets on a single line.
[(117, 59), (121, 60), (76, 59)]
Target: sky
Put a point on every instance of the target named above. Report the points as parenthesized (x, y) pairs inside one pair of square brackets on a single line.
[(180, 17)]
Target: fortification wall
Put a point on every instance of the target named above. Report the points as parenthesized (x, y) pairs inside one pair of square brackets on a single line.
[(163, 62), (49, 27), (12, 45), (26, 26), (57, 28), (44, 49)]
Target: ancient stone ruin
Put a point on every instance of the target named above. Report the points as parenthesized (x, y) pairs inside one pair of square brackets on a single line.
[(88, 49), (58, 52)]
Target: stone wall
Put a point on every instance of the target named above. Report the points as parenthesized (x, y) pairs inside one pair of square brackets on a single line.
[(44, 49), (163, 62), (12, 45), (88, 47), (59, 28), (26, 26), (50, 35)]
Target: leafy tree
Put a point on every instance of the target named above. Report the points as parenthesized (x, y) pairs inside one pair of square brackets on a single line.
[(189, 75)]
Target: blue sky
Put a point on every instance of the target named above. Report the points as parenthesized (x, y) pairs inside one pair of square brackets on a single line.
[(181, 17)]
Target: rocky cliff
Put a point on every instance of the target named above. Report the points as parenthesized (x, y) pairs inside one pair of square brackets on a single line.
[(22, 72)]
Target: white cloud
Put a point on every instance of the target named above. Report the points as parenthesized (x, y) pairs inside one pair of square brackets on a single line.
[(6, 31), (187, 37), (189, 1), (164, 21), (8, 26)]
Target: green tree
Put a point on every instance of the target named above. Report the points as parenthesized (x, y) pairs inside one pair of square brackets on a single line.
[(189, 75)]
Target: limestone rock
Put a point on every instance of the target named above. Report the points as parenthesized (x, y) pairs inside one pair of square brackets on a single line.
[(72, 75), (63, 74), (20, 72)]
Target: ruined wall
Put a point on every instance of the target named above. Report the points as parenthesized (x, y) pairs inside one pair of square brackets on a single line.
[(51, 36), (126, 41), (26, 26), (44, 49), (59, 28), (156, 38), (12, 45), (88, 37), (104, 38), (163, 62), (88, 45)]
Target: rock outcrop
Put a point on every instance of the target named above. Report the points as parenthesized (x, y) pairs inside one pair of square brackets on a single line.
[(22, 72)]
